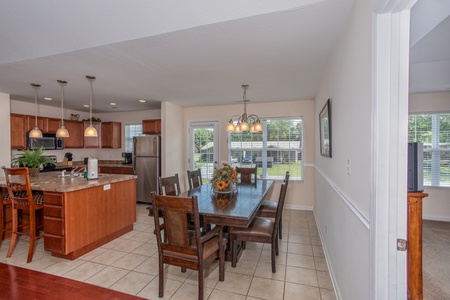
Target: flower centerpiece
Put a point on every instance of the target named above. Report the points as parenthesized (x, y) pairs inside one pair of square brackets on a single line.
[(224, 180)]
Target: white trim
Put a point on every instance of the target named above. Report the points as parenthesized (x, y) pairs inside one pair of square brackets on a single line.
[(361, 215), (299, 207), (309, 165), (390, 62), (436, 218)]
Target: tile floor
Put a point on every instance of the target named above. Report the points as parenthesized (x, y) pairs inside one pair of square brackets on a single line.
[(130, 264)]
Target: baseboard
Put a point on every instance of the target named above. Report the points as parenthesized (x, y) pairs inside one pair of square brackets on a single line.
[(436, 218), (299, 207)]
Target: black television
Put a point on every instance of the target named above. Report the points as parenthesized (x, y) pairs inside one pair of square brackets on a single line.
[(415, 167)]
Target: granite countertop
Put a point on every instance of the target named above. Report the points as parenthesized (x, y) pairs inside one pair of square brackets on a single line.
[(101, 163), (51, 182)]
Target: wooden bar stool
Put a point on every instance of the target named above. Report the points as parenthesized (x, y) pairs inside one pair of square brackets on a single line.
[(3, 203), (23, 200)]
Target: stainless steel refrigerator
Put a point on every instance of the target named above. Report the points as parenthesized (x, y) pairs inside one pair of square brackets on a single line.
[(146, 165)]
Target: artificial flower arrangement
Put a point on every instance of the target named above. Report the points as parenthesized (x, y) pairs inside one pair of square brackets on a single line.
[(224, 178)]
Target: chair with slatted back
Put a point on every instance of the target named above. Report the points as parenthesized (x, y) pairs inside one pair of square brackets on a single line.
[(260, 230), (4, 202), (268, 209), (194, 178), (247, 175), (183, 247), (169, 186), (23, 200)]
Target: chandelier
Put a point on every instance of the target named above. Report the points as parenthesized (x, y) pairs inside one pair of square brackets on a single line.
[(243, 120)]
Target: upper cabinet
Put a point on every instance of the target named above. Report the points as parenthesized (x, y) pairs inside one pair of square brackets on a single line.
[(48, 125), (90, 141), (52, 125), (111, 135), (151, 126), (18, 131), (76, 134)]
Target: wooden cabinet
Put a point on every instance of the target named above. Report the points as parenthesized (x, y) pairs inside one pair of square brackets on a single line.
[(111, 135), (18, 131), (151, 126), (90, 141), (52, 125), (415, 279), (76, 134), (116, 170), (31, 123)]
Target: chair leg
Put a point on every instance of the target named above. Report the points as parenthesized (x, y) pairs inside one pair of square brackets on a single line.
[(222, 261), (14, 234), (273, 256), (183, 270), (200, 282), (277, 252), (233, 253), (161, 279), (33, 234)]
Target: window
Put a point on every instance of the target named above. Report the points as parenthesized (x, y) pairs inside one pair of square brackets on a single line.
[(203, 150), (433, 130), (130, 131), (275, 150)]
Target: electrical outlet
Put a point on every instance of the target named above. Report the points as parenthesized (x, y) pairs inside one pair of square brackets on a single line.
[(349, 166)]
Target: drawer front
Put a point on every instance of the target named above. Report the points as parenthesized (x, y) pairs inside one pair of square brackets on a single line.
[(54, 226), (127, 171), (53, 211), (54, 243), (53, 199)]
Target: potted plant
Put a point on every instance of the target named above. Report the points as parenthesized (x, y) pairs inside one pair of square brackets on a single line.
[(32, 159)]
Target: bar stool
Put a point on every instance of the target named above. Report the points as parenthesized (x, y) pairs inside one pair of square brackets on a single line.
[(23, 200), (3, 203)]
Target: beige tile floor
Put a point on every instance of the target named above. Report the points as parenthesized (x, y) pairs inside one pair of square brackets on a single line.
[(130, 264)]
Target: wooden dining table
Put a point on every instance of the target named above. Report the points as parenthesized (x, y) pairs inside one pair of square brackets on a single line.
[(237, 210)]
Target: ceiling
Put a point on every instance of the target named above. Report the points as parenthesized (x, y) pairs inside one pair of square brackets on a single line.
[(191, 53)]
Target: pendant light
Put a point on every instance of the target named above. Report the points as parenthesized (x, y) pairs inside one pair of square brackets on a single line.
[(62, 131), (242, 121), (90, 131), (36, 132)]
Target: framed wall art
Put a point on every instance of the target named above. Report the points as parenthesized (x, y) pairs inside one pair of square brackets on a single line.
[(325, 129)]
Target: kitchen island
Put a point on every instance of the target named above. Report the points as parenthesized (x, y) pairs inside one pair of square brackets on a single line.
[(81, 215)]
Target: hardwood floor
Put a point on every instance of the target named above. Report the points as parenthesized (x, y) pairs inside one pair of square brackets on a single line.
[(19, 283)]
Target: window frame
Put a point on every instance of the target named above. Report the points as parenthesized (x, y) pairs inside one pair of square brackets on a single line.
[(129, 139)]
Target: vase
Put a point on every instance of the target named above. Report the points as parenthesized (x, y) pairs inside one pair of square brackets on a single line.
[(228, 193), (33, 172)]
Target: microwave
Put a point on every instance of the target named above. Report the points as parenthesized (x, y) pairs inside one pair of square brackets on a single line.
[(48, 140)]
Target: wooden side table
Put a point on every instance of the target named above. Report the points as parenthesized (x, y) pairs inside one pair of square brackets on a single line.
[(415, 280)]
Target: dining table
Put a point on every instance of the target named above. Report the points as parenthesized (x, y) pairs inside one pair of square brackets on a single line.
[(238, 209)]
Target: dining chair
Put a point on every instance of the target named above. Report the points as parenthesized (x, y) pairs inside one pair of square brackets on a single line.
[(169, 186), (261, 230), (268, 209), (183, 247), (247, 175), (23, 200), (4, 202), (194, 178)]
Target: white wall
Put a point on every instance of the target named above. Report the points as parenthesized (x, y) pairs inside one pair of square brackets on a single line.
[(300, 194), (5, 133), (133, 117), (342, 200), (437, 205), (172, 139)]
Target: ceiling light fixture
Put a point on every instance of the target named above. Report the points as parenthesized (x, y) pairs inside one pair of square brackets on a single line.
[(48, 98), (36, 132), (242, 121), (62, 131), (90, 131)]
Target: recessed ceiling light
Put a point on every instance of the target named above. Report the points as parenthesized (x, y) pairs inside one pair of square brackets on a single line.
[(85, 105), (48, 98), (112, 103), (142, 101)]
